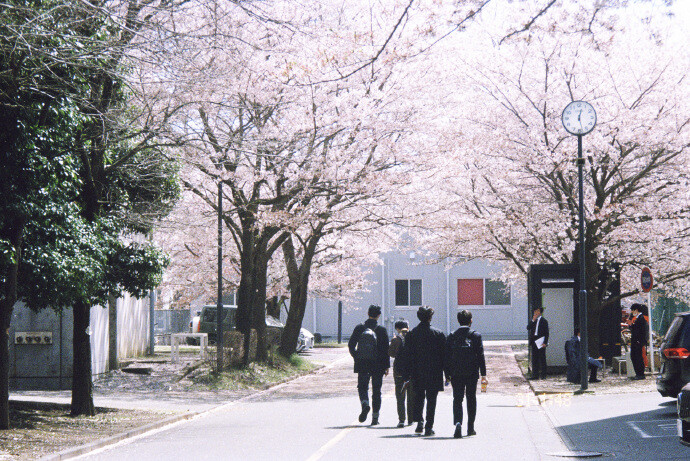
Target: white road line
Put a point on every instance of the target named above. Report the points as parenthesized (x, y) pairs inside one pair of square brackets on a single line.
[(341, 435), (644, 434)]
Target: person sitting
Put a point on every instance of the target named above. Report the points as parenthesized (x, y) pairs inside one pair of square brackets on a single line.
[(572, 356)]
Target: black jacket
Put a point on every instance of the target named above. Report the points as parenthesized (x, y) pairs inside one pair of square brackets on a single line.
[(543, 330), (572, 356), (382, 361), (423, 357), (477, 346), (639, 331)]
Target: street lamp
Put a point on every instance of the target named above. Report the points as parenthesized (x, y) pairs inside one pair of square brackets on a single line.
[(579, 119), (219, 303)]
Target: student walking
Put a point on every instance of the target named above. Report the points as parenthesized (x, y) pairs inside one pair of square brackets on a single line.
[(464, 363), (368, 345), (423, 367), (401, 393)]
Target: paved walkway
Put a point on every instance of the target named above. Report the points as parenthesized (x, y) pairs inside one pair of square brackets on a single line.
[(513, 414)]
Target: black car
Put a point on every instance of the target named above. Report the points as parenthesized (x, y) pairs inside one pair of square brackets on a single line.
[(684, 415), (675, 357)]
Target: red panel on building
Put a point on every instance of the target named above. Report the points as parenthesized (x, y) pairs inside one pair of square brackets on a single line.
[(470, 292)]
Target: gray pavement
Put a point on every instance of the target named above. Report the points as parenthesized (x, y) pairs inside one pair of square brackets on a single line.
[(314, 418)]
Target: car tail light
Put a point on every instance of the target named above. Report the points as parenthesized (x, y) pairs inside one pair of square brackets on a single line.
[(676, 353)]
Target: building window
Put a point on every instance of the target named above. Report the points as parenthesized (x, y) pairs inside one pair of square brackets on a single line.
[(408, 293), (483, 292)]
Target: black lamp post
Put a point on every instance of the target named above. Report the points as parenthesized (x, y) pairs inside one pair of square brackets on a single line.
[(219, 305), (579, 119)]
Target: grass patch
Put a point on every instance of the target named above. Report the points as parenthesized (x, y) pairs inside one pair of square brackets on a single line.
[(329, 344), (256, 375)]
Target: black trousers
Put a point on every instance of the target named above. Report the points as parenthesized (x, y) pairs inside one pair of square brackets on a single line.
[(430, 396), (363, 389), (538, 362), (400, 397), (637, 358), (464, 387)]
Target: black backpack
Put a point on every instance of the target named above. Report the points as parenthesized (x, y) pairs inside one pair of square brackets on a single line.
[(463, 357), (366, 345)]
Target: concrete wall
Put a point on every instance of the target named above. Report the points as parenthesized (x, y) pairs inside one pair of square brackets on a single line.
[(49, 365), (439, 290)]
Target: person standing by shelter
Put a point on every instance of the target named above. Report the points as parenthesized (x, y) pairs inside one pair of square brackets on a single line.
[(401, 393), (368, 345), (464, 363), (638, 339), (423, 355), (538, 330)]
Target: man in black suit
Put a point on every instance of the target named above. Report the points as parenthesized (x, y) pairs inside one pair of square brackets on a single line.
[(464, 363), (538, 330), (572, 356), (368, 345), (638, 339), (422, 364)]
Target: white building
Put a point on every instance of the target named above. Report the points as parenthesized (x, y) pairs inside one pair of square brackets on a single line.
[(403, 282)]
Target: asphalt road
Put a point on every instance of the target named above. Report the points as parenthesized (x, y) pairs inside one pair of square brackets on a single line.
[(314, 418), (625, 426)]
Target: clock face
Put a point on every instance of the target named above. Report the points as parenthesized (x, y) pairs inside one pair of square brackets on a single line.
[(579, 117)]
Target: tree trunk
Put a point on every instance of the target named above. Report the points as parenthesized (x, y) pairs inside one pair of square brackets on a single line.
[(82, 384), (8, 297), (299, 284), (4, 377), (259, 304), (273, 306), (293, 324)]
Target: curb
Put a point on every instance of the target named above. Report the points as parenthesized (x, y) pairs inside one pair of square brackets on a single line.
[(89, 447), (92, 446)]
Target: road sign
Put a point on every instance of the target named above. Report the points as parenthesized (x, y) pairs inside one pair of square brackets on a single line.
[(646, 280)]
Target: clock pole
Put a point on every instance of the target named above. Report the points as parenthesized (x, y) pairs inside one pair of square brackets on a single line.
[(579, 119), (582, 299)]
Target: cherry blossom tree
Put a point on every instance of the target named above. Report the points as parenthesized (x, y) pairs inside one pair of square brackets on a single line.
[(511, 172), (307, 120)]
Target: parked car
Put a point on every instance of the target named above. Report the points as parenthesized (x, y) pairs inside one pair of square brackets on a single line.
[(194, 328), (675, 353), (208, 320), (684, 415), (305, 340)]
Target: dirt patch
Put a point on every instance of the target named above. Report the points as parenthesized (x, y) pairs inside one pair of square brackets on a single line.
[(40, 429)]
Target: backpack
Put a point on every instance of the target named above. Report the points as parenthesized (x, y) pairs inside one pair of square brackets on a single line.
[(463, 358), (366, 345)]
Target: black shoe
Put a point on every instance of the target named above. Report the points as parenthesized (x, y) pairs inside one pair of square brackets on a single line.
[(471, 431), (364, 413), (458, 431), (429, 432), (595, 380), (401, 424), (420, 428), (640, 377), (375, 421)]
